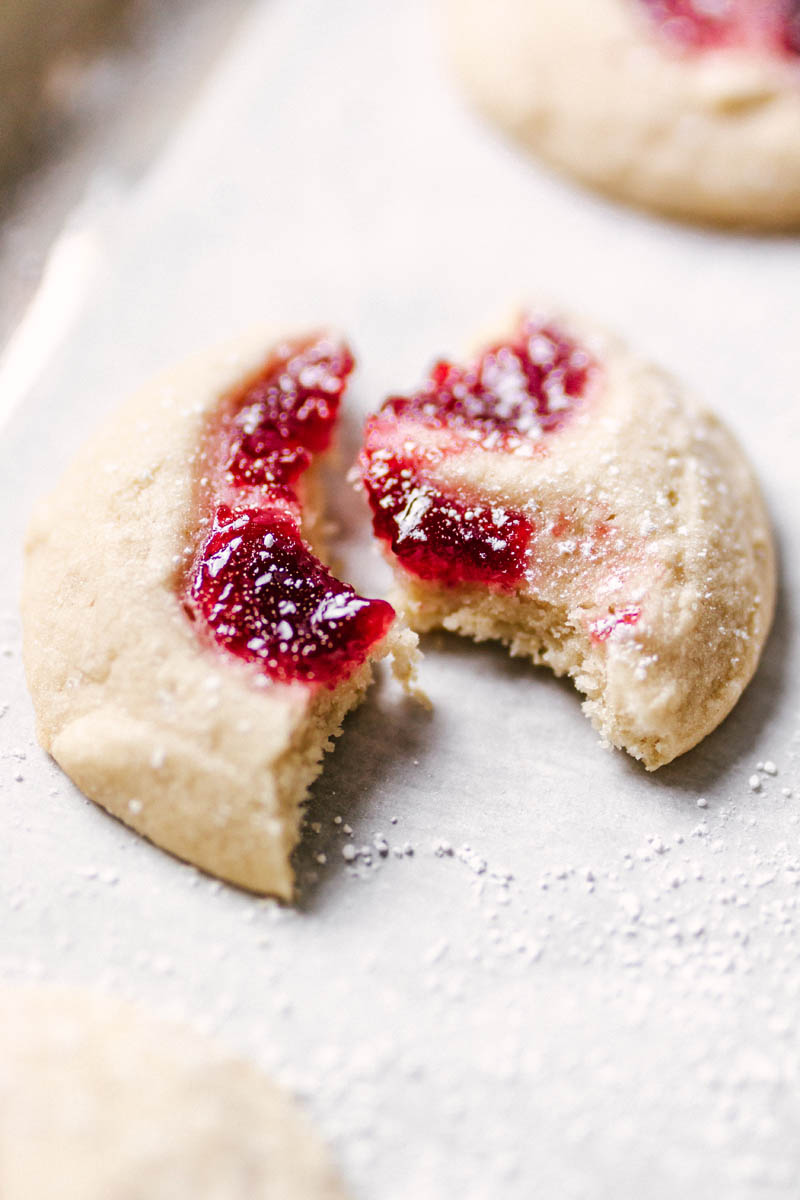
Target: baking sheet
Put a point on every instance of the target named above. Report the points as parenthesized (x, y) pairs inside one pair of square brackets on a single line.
[(566, 974)]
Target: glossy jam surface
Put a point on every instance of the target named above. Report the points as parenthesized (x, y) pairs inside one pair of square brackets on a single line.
[(256, 586), (284, 415), (511, 400), (267, 599), (766, 26), (443, 537), (515, 391)]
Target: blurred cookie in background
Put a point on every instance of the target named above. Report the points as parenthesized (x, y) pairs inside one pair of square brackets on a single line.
[(98, 1102), (687, 107)]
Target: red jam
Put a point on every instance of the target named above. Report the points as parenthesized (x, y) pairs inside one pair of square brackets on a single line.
[(442, 537), (260, 591), (267, 599), (771, 26), (515, 390), (279, 419), (792, 28), (510, 399), (602, 628)]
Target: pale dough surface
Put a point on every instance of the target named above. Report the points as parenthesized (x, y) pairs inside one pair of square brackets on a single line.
[(594, 89), (191, 747), (643, 499), (98, 1102)]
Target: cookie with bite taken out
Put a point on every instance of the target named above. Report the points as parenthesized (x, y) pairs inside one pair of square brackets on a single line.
[(560, 494)]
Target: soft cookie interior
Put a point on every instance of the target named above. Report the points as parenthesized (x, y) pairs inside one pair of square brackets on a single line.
[(560, 495)]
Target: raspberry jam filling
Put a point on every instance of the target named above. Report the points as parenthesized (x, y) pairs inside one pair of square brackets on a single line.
[(514, 392), (768, 26), (602, 628), (510, 399), (278, 420), (267, 599), (443, 537), (255, 584)]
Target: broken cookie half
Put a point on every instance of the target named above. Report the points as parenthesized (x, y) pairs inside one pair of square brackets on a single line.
[(189, 655), (561, 495)]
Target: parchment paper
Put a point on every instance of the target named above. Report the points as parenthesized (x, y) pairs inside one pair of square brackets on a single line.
[(567, 977)]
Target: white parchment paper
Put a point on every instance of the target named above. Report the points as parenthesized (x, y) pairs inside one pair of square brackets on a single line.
[(566, 977)]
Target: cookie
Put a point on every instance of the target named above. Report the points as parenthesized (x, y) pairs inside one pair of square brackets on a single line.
[(188, 654), (689, 108), (98, 1102), (565, 497)]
